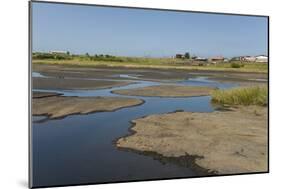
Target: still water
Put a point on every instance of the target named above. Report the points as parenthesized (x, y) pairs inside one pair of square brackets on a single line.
[(80, 148)]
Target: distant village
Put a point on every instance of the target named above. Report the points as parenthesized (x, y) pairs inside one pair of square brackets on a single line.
[(221, 59), (193, 60)]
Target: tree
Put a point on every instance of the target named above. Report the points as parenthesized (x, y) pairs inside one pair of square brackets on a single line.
[(87, 54), (67, 53), (187, 55)]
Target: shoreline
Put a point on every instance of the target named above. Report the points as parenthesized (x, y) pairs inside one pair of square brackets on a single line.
[(185, 160)]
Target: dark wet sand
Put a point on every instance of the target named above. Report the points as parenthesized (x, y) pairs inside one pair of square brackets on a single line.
[(145, 74), (82, 84), (44, 94)]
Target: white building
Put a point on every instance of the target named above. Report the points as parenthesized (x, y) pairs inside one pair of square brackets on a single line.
[(58, 52), (249, 58), (201, 59), (261, 58)]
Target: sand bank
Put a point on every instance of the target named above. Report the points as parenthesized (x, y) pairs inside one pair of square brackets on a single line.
[(233, 141), (60, 106)]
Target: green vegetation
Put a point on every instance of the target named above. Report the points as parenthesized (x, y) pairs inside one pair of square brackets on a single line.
[(187, 55), (237, 65), (88, 60), (47, 56), (241, 96)]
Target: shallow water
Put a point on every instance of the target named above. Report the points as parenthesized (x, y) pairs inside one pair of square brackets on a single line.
[(79, 148), (204, 81), (37, 74)]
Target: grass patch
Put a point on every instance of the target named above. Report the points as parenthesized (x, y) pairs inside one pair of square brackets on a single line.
[(241, 96), (161, 63)]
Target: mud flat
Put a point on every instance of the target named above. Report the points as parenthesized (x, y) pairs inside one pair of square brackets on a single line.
[(60, 83), (146, 73), (166, 91), (108, 73), (226, 142), (44, 94), (60, 106)]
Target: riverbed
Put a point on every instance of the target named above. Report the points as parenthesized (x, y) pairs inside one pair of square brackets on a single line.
[(81, 148)]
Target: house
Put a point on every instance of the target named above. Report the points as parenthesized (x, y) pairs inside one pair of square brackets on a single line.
[(59, 52), (261, 58), (179, 56), (216, 59), (248, 58)]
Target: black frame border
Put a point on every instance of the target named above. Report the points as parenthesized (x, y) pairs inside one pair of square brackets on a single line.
[(30, 36)]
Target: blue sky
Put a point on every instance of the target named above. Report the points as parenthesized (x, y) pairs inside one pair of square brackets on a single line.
[(137, 32)]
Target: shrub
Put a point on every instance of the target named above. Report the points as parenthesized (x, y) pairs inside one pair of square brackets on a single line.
[(43, 56), (237, 65), (241, 96), (51, 56)]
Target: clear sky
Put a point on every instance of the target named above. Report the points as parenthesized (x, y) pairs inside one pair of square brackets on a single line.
[(137, 32)]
